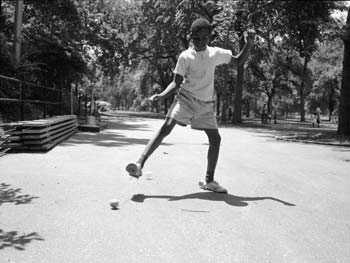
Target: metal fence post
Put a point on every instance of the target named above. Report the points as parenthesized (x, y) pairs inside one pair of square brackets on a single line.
[(21, 101), (45, 99), (61, 102)]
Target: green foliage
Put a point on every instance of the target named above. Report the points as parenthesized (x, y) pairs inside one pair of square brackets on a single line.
[(326, 65), (5, 56), (127, 50), (344, 108), (271, 78), (303, 20)]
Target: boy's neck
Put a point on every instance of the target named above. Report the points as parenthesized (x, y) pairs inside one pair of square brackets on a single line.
[(200, 50)]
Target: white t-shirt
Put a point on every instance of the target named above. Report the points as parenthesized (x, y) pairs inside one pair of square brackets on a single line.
[(198, 68)]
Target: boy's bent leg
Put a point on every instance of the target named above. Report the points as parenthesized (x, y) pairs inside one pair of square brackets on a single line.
[(135, 169), (153, 144), (213, 152)]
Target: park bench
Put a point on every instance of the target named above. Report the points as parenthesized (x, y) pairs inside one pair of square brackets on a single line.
[(41, 135)]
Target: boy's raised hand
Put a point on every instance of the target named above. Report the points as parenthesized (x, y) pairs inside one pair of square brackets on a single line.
[(250, 35)]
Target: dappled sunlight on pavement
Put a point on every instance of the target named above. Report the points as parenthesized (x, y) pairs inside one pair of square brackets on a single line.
[(118, 133), (55, 207)]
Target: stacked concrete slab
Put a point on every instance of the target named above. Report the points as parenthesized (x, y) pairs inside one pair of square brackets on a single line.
[(43, 134)]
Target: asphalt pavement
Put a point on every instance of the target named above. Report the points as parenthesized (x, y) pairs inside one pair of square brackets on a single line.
[(287, 201)]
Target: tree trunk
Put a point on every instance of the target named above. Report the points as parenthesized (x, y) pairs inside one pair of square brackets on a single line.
[(247, 114), (302, 104), (331, 103), (218, 102), (344, 108), (269, 103), (2, 17), (302, 89), (17, 32), (223, 115), (237, 113)]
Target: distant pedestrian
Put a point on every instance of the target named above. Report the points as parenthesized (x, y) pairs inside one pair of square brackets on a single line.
[(264, 114), (275, 117), (314, 119), (230, 113), (318, 116)]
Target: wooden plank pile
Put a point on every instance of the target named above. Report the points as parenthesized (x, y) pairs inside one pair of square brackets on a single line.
[(43, 134), (4, 142)]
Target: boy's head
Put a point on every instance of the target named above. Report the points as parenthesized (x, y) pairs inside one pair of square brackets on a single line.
[(200, 33), (200, 24)]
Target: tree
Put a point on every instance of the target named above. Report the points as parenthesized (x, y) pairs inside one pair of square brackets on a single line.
[(105, 28), (6, 33), (238, 17), (326, 67), (303, 20), (154, 40), (160, 33), (344, 108)]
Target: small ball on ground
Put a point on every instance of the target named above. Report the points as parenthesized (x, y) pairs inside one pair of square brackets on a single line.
[(114, 204)]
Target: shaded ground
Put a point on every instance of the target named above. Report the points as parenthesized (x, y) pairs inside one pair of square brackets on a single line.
[(287, 202), (284, 129), (293, 130)]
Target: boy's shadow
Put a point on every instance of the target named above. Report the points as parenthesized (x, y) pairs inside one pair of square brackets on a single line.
[(210, 196)]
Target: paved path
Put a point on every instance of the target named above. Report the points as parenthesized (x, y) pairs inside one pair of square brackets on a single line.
[(287, 202)]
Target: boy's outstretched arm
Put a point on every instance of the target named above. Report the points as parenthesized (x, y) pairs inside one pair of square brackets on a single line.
[(243, 54), (172, 87)]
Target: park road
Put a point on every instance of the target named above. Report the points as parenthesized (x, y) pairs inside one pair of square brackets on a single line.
[(287, 202)]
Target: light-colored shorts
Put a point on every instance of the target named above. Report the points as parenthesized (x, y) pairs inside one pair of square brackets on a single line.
[(189, 110)]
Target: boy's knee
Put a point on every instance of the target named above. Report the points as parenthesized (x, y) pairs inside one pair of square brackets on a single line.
[(165, 130), (215, 139)]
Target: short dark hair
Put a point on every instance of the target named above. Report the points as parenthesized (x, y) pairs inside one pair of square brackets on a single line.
[(200, 24)]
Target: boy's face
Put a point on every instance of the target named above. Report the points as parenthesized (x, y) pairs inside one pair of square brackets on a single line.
[(200, 39)]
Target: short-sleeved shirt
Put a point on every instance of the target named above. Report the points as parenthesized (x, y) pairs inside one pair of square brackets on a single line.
[(198, 68)]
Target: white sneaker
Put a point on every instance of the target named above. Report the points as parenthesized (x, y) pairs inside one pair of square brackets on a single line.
[(134, 170), (213, 186)]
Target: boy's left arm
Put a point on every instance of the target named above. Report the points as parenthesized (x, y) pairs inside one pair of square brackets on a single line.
[(170, 89), (243, 54)]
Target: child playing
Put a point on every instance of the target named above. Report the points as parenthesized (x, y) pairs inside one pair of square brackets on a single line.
[(194, 103)]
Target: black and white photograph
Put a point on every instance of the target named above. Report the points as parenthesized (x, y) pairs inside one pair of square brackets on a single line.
[(174, 131)]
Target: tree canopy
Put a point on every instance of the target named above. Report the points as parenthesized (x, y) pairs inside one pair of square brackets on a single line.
[(126, 50)]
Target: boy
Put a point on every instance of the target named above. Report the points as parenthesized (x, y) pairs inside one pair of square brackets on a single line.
[(194, 79)]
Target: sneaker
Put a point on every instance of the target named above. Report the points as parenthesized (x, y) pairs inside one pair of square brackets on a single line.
[(134, 170), (213, 186)]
